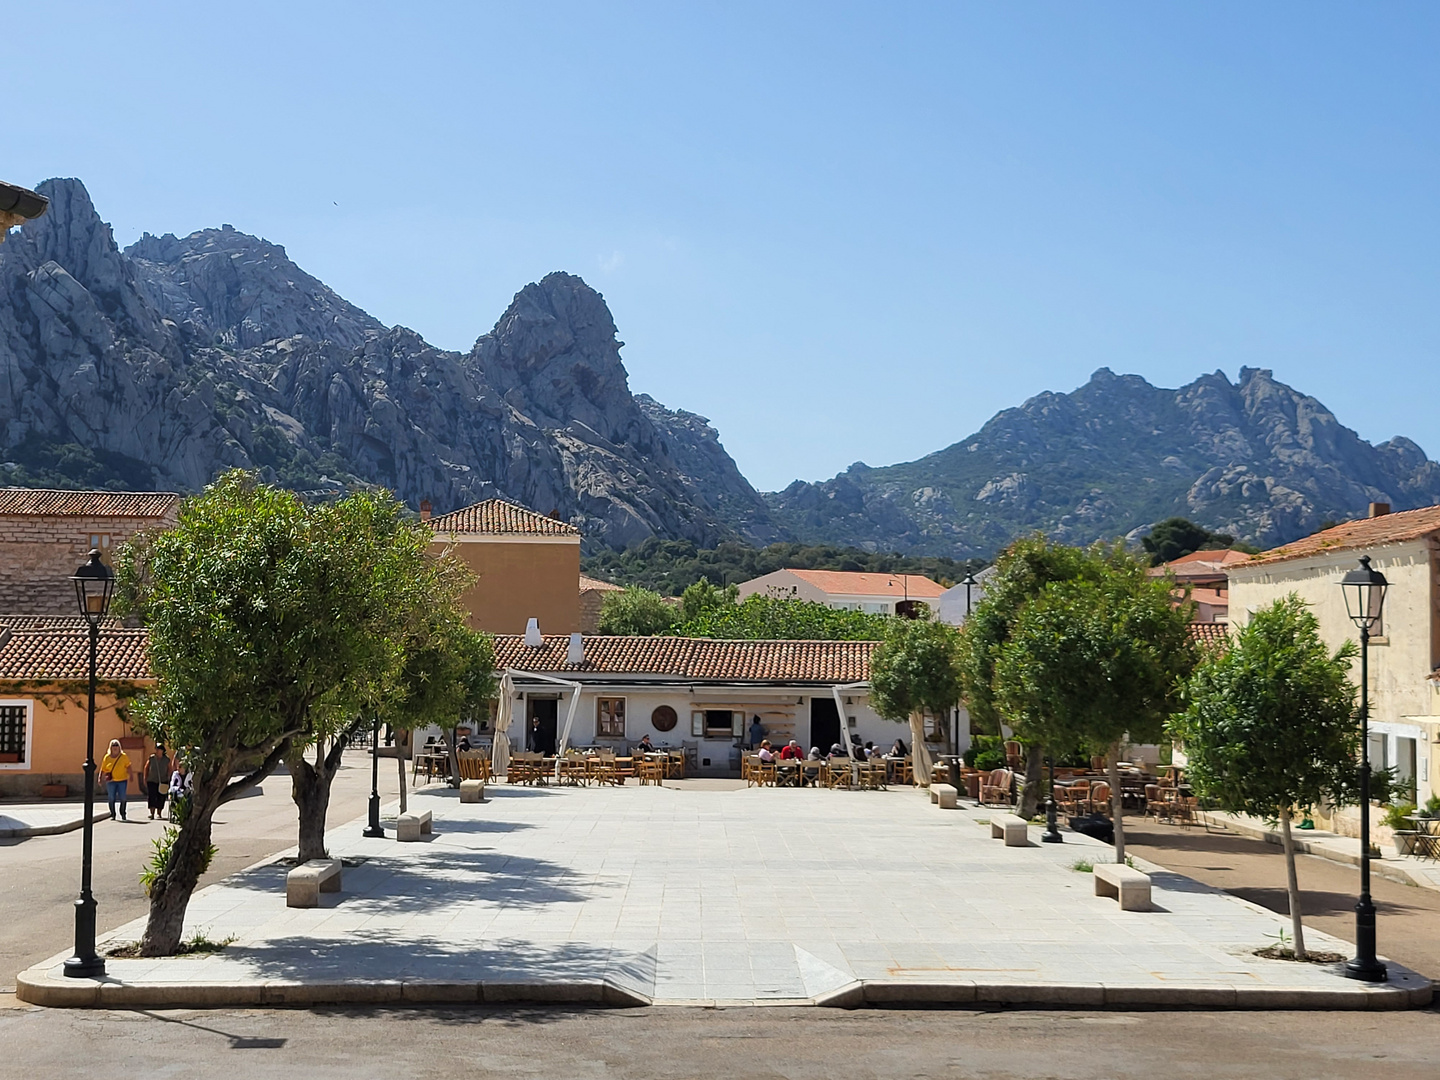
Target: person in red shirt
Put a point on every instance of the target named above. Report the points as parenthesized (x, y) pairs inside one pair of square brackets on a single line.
[(792, 752)]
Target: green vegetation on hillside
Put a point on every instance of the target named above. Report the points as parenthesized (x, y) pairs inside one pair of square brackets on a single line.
[(672, 566)]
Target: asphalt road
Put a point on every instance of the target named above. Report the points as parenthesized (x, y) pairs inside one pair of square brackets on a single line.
[(40, 875), (1407, 916), (320, 1044)]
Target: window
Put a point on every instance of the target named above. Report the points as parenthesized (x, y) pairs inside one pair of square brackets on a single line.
[(14, 733), (610, 717), (100, 542), (717, 723)]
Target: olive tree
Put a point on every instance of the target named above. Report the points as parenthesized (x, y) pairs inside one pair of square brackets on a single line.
[(915, 670), (1095, 660), (260, 617), (1270, 726)]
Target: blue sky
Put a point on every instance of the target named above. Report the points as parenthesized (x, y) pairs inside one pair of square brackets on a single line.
[(843, 232)]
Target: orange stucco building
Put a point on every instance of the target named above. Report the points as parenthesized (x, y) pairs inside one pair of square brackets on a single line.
[(527, 566), (44, 685)]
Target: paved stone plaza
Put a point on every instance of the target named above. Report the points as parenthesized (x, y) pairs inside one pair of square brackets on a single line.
[(741, 896)]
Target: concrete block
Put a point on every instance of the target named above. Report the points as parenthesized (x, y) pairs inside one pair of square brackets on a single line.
[(1129, 886), (944, 795), (1014, 830), (409, 828), (472, 791), (305, 883)]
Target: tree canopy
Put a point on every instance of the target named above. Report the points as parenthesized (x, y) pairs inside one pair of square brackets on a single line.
[(671, 566), (762, 617), (915, 669), (637, 611)]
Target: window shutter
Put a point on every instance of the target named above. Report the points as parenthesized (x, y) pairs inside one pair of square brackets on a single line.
[(737, 723), (697, 723)]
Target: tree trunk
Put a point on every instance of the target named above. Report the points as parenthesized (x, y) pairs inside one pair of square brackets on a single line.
[(310, 788), (170, 893), (1117, 804), (1292, 883), (454, 761), (1034, 781), (400, 760)]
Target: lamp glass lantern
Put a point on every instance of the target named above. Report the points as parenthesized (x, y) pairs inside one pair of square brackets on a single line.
[(94, 585), (1364, 589)]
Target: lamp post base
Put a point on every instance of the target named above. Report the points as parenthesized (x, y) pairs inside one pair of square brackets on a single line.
[(1051, 834), (79, 967), (374, 829), (1366, 970)]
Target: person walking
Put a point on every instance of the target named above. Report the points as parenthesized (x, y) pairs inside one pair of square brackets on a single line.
[(116, 770), (157, 781)]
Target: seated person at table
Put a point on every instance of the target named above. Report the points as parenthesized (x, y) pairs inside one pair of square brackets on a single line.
[(856, 750), (766, 754), (463, 743), (815, 753), (792, 752), (836, 750), (898, 750), (870, 750), (645, 746)]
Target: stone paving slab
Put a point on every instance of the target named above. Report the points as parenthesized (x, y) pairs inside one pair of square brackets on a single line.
[(637, 895)]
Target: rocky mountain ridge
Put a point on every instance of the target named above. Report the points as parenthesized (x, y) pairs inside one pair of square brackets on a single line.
[(180, 357), (160, 365), (1256, 459)]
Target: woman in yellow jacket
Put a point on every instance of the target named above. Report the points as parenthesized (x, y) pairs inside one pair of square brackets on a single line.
[(116, 769)]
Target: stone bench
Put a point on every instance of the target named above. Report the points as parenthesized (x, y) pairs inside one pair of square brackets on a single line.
[(305, 883), (1125, 883), (1014, 830), (410, 827), (944, 795), (472, 790)]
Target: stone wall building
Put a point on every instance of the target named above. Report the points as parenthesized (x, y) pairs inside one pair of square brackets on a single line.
[(46, 534)]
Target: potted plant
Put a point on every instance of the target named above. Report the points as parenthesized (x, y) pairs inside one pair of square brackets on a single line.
[(1396, 817), (53, 789)]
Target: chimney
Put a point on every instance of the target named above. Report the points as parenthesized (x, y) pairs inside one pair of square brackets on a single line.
[(1379, 509), (425, 509), (533, 639), (575, 655)]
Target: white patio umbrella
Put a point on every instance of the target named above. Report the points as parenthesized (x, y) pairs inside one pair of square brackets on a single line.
[(500, 747), (920, 763)]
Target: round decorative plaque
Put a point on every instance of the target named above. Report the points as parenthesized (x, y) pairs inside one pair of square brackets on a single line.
[(663, 718)]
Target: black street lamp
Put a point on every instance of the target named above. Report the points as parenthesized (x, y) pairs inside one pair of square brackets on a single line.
[(1052, 831), (969, 582), (1364, 590), (374, 829), (94, 583)]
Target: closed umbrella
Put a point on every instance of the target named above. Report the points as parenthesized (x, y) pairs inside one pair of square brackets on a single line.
[(500, 748)]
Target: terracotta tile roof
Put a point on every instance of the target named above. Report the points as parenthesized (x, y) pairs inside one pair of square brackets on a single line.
[(1353, 535), (851, 583), (1218, 557), (1211, 635), (49, 501), (596, 583), (498, 517), (701, 659), (50, 622), (63, 655)]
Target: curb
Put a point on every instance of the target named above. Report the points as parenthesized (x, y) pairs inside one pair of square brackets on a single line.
[(47, 985), (53, 830)]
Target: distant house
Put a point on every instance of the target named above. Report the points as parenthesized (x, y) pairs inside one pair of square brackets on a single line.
[(1205, 572), (527, 565), (592, 598), (45, 535), (1405, 653), (878, 594), (44, 685)]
